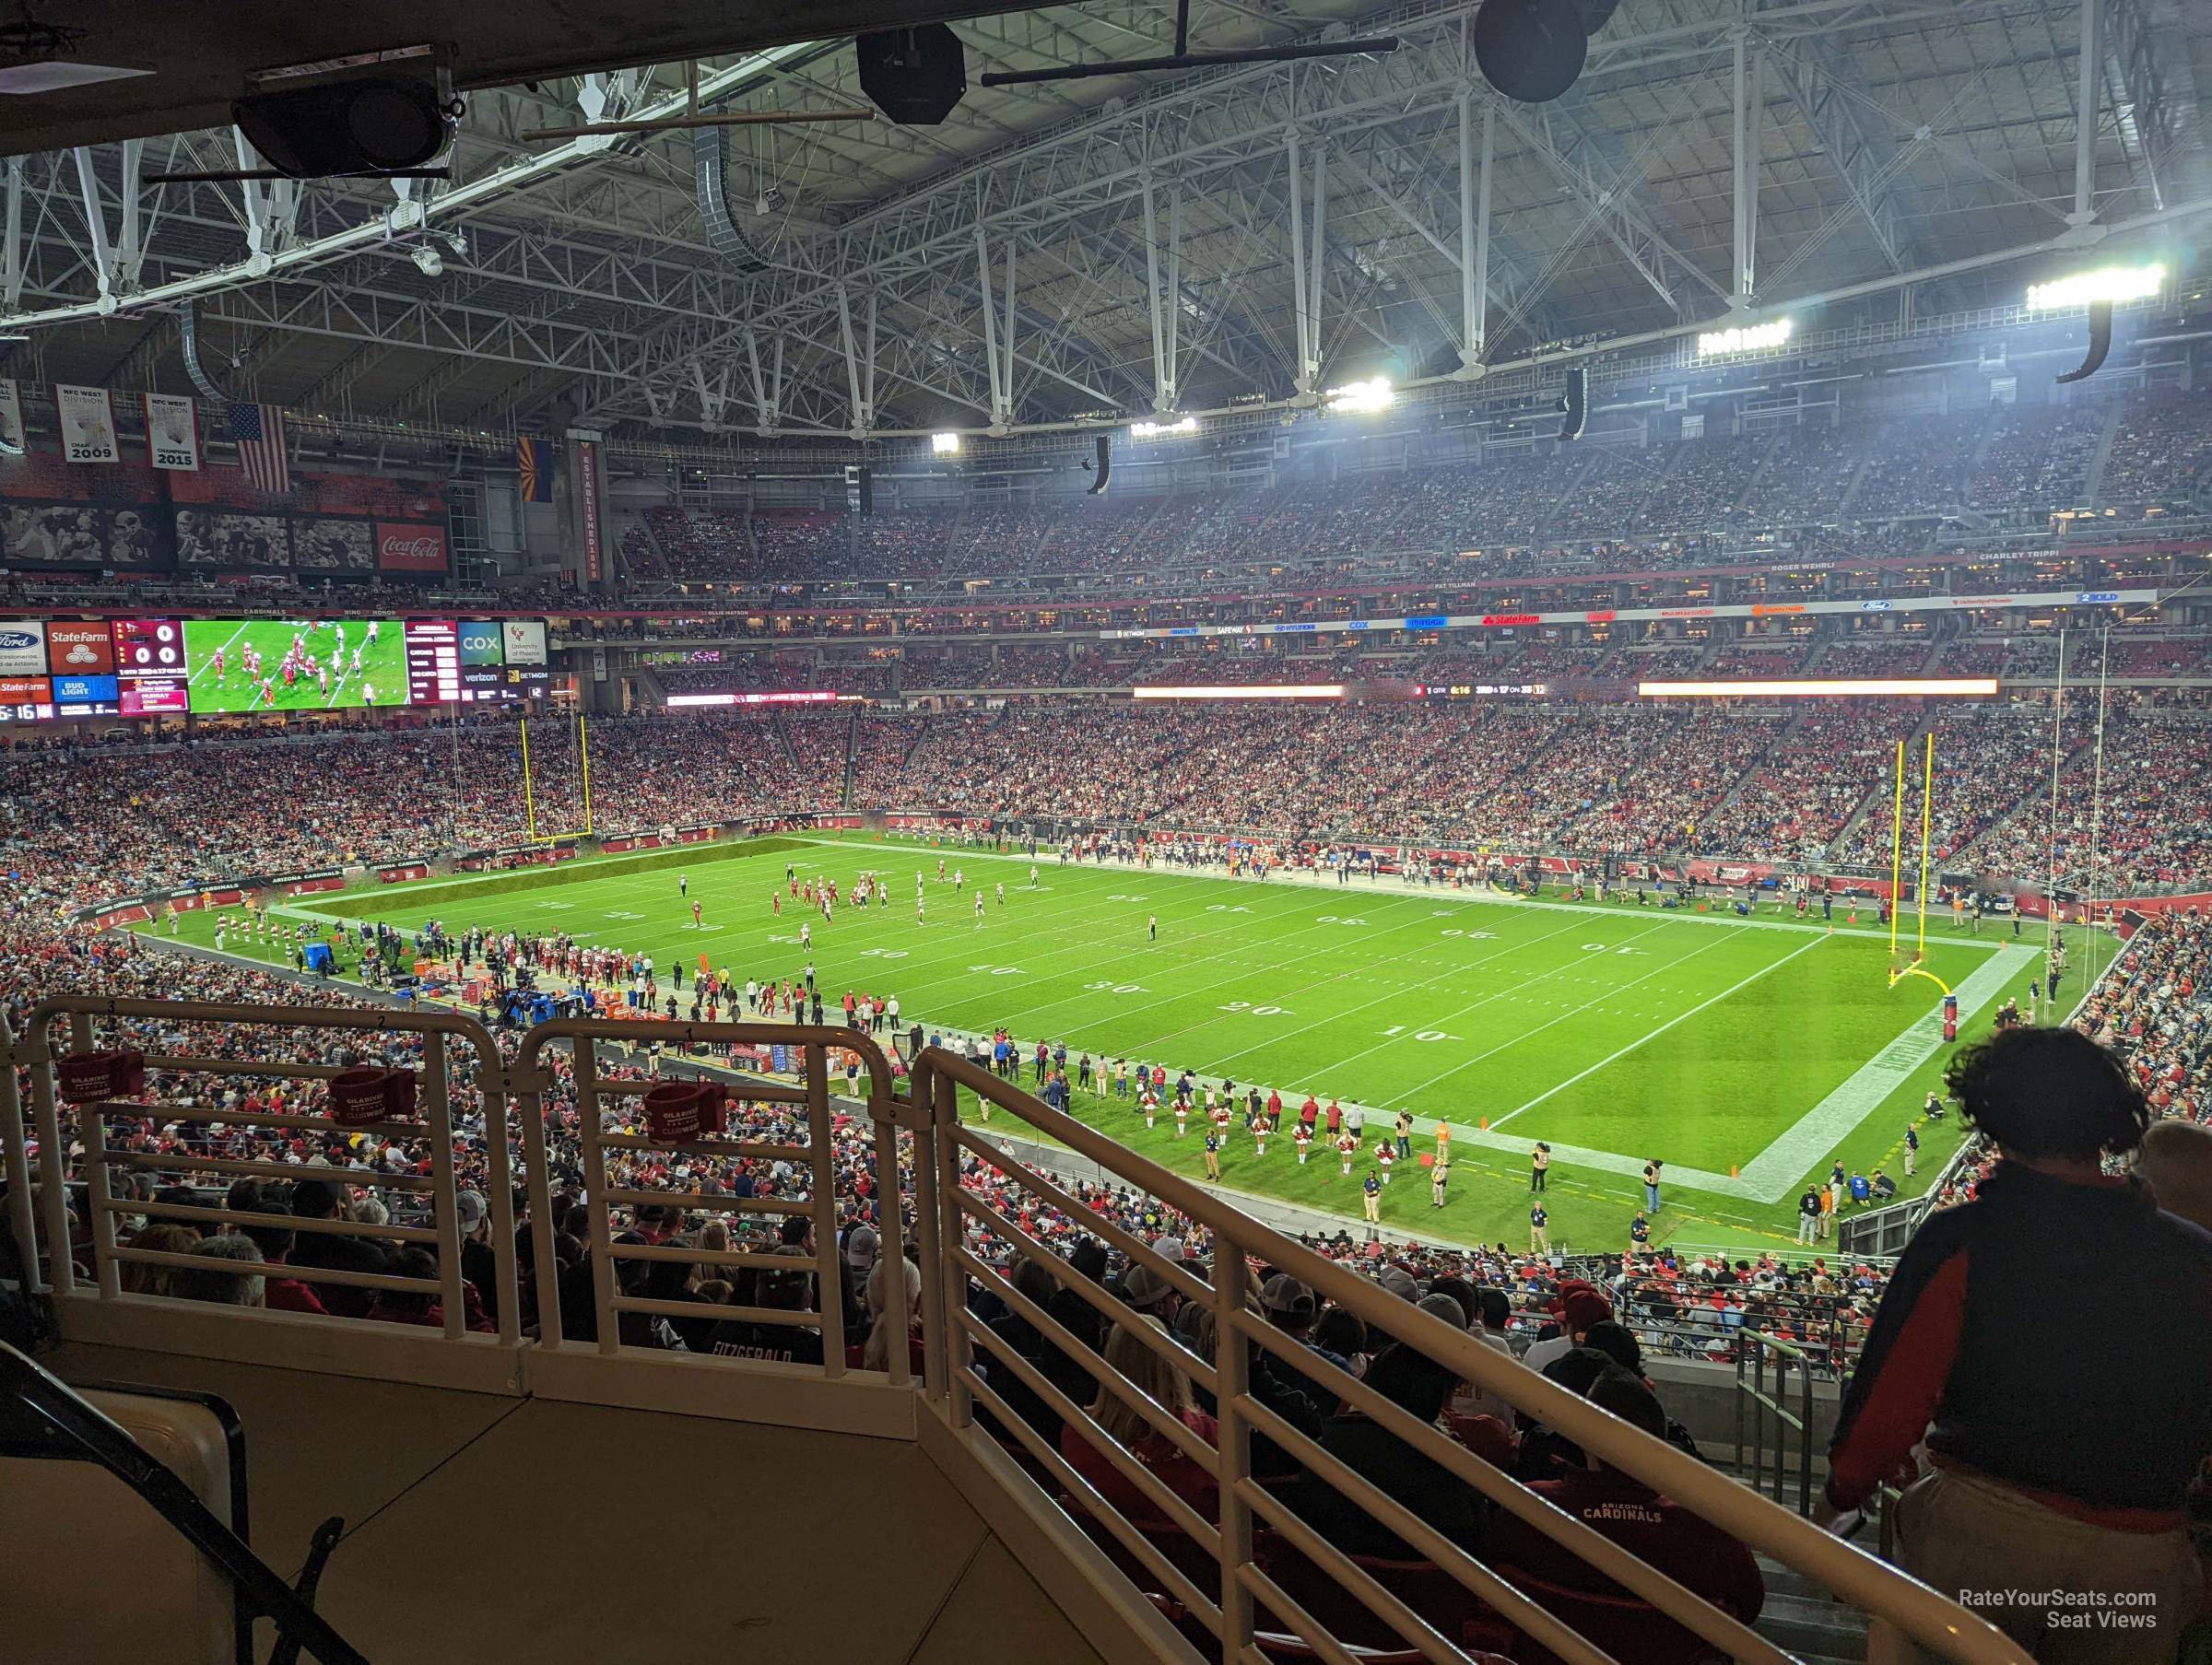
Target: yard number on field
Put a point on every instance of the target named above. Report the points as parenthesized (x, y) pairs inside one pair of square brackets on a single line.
[(996, 970), (1116, 988), (1260, 1011), (1397, 1029)]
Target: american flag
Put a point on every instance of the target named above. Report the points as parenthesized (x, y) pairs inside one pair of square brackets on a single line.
[(258, 430)]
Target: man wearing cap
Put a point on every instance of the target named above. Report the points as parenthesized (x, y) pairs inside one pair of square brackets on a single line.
[(1577, 1306), (1213, 1155), (1438, 1176), (1291, 1307), (1149, 1291), (862, 1244), (1372, 1187), (1539, 1235)]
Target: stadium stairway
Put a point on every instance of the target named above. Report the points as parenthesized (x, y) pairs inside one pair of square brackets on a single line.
[(1805, 1620), (2093, 482), (1878, 794), (543, 1530)]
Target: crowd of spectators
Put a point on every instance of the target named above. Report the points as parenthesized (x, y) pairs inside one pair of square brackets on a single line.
[(2140, 818), (1865, 487), (1644, 780)]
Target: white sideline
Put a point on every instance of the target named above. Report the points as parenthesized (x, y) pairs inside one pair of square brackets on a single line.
[(1772, 1173), (1652, 1035)]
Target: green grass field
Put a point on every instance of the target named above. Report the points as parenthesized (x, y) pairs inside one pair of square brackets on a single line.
[(1747, 1055), (383, 667)]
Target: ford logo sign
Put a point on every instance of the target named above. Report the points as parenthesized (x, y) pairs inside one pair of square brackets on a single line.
[(19, 639)]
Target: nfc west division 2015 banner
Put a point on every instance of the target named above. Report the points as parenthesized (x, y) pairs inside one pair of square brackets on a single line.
[(172, 432)]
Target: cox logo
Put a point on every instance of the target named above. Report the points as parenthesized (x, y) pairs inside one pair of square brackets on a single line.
[(480, 640)]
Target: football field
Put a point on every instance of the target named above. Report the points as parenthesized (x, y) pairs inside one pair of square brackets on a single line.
[(1747, 1054)]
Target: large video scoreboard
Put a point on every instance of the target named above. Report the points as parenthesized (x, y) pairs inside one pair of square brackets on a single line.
[(58, 669)]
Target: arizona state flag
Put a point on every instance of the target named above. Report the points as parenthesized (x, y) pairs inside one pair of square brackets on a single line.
[(534, 459)]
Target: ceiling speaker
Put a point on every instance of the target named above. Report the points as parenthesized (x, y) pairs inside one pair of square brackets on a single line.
[(1531, 51), (365, 124), (913, 76)]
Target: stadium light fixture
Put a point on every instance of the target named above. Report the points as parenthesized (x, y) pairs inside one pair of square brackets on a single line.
[(1361, 398), (944, 445), (1746, 338), (1244, 690), (1161, 430), (2106, 284), (1874, 687)]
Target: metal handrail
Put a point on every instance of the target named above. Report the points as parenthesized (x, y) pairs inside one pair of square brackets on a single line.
[(1945, 1629), (584, 1034), (1755, 1403), (34, 1051)]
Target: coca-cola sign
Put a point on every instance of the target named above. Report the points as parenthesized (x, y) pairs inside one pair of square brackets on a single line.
[(411, 547)]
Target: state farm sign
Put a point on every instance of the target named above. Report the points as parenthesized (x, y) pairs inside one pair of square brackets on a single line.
[(411, 547)]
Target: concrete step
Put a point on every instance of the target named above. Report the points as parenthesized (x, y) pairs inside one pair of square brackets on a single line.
[(1805, 1619)]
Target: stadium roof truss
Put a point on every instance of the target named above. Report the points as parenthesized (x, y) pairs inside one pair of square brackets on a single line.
[(1059, 252)]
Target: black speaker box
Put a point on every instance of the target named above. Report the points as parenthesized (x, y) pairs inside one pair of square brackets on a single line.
[(913, 76)]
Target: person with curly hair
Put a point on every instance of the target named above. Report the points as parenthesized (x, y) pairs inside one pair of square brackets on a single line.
[(2059, 1471)]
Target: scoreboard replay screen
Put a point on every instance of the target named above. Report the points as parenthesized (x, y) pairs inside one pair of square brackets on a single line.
[(63, 669)]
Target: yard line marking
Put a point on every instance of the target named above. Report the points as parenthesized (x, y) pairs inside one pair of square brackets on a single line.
[(209, 664), (1398, 993), (1337, 1063), (1596, 1000), (1655, 1034), (1776, 1171), (1183, 965), (1231, 924), (1502, 899)]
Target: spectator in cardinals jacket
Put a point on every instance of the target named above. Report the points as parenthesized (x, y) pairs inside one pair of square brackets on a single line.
[(1654, 1529), (2061, 1471)]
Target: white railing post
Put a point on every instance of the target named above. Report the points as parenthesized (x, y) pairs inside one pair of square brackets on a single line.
[(15, 1152), (491, 1102), (951, 1229), (1233, 1360), (929, 1228), (822, 1183), (529, 1094), (584, 1055), (444, 1199), (54, 1161)]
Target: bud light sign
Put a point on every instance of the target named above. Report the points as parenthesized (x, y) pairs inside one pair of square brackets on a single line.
[(410, 548)]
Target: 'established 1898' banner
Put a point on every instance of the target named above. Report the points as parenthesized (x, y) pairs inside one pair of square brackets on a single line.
[(411, 547)]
